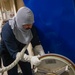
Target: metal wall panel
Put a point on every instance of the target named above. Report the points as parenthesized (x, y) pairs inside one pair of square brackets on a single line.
[(55, 22)]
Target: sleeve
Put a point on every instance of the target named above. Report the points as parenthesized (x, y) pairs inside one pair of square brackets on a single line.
[(9, 42), (35, 41), (36, 44)]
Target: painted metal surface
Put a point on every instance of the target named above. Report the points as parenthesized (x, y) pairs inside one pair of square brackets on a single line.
[(55, 22)]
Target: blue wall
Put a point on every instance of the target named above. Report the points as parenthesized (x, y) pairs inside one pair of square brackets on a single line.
[(55, 22)]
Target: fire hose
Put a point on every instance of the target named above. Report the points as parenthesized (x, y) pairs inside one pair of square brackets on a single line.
[(15, 61)]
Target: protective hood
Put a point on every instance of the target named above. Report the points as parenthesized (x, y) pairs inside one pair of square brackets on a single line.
[(23, 16)]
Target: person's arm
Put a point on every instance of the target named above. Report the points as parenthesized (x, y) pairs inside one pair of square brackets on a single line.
[(36, 44), (35, 41), (9, 41)]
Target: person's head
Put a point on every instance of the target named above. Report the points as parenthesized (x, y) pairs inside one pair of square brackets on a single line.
[(21, 25), (24, 18)]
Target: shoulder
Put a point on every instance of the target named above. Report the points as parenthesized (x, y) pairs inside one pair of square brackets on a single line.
[(7, 31), (6, 27)]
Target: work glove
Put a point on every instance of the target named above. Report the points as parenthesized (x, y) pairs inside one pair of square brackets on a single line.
[(34, 60), (38, 50)]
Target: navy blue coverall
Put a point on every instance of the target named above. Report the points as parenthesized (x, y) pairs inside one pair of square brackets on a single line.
[(10, 46)]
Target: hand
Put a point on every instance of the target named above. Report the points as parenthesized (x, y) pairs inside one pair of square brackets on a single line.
[(35, 61)]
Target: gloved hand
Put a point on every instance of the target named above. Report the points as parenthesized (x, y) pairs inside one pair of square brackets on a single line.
[(34, 60), (38, 50)]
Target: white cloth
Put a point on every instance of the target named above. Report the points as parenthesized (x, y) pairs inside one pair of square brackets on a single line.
[(23, 16)]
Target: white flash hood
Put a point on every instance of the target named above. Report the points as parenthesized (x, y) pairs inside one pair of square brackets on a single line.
[(23, 16)]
